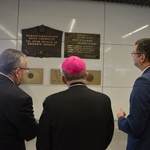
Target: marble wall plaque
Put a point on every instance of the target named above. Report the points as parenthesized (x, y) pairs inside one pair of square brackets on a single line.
[(41, 41), (94, 77), (34, 76), (83, 45), (55, 76)]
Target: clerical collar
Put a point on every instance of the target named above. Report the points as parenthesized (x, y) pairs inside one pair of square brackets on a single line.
[(76, 84)]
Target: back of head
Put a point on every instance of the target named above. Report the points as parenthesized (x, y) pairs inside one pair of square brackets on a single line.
[(73, 68), (143, 46), (10, 59)]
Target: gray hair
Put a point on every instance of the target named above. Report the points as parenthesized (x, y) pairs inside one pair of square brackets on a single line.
[(70, 77), (10, 59)]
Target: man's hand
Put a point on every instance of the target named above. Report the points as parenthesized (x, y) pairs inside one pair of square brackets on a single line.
[(121, 113)]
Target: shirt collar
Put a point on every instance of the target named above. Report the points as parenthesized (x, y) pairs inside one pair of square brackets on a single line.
[(145, 69), (7, 77)]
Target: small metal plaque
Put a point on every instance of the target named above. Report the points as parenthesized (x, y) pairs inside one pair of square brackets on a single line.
[(55, 77), (41, 41), (34, 76), (83, 45), (94, 77)]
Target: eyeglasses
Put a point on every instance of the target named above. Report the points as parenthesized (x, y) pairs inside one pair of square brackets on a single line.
[(27, 69), (134, 53)]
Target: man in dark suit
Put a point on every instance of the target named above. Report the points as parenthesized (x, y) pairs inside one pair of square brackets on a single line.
[(77, 118), (17, 122), (137, 123)]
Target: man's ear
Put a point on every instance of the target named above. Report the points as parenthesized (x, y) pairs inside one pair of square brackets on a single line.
[(63, 79), (143, 57), (86, 75), (17, 72)]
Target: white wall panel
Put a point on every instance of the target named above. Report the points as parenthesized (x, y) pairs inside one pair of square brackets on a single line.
[(8, 19), (89, 16), (124, 19), (5, 44), (119, 99), (119, 70)]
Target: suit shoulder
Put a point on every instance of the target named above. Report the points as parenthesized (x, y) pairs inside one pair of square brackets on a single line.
[(17, 92), (99, 93), (54, 97)]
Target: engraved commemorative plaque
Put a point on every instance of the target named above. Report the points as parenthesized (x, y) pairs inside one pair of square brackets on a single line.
[(82, 45), (94, 77), (41, 41), (55, 77), (34, 76)]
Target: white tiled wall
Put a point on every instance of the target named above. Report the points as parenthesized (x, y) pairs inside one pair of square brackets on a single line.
[(112, 21), (119, 70), (124, 19), (8, 19)]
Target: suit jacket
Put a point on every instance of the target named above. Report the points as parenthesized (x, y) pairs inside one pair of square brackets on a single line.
[(17, 122), (76, 119), (137, 123)]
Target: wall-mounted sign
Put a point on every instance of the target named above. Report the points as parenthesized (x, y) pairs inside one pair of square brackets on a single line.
[(94, 77), (55, 76), (82, 45), (41, 41), (34, 76)]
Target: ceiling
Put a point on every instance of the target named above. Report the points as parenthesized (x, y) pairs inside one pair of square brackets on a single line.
[(142, 3)]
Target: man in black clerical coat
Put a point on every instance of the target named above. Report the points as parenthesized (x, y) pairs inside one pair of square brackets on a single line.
[(77, 118)]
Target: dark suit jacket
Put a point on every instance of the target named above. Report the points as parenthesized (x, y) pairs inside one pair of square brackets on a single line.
[(137, 124), (76, 119), (17, 122)]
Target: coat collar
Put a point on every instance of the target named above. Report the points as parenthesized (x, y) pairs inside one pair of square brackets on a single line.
[(77, 84), (5, 77)]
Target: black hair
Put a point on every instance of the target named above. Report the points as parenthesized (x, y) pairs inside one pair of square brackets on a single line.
[(143, 46)]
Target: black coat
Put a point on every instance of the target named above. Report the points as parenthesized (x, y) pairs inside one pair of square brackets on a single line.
[(17, 122), (76, 119)]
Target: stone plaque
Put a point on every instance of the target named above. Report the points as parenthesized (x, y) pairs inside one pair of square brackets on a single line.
[(41, 41), (83, 45), (55, 76), (34, 76), (94, 77)]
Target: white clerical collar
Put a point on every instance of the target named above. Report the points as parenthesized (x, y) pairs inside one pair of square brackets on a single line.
[(7, 77), (77, 84)]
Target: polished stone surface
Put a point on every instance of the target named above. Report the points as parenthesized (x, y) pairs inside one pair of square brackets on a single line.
[(118, 141)]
